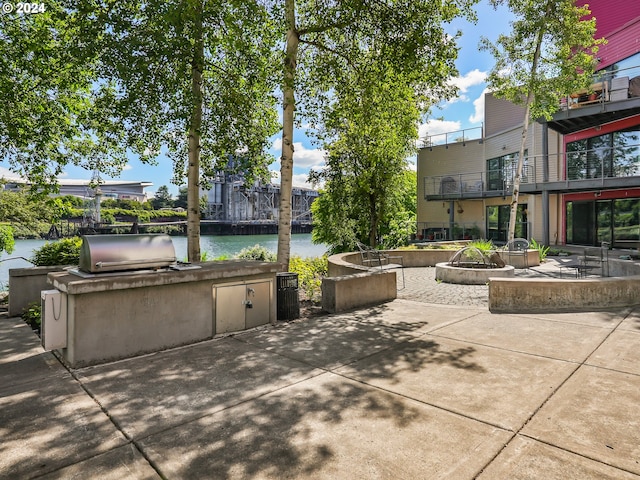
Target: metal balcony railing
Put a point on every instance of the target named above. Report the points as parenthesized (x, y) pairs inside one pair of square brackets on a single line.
[(620, 160), (607, 86), (450, 138), (478, 184)]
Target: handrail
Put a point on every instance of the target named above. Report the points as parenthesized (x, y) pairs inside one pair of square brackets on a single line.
[(450, 138), (593, 165)]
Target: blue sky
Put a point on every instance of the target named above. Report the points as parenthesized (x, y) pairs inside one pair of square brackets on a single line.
[(466, 111)]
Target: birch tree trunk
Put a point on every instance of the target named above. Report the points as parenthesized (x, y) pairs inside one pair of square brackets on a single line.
[(286, 161), (193, 171), (513, 214)]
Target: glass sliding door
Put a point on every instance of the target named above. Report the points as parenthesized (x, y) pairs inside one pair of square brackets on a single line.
[(626, 223), (614, 221), (498, 222), (582, 223)]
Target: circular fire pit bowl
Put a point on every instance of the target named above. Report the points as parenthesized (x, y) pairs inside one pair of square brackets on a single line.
[(470, 274), (471, 266)]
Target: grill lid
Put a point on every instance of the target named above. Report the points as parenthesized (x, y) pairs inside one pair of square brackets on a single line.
[(108, 253)]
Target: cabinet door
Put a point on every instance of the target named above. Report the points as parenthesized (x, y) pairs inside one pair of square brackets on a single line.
[(259, 296), (230, 308)]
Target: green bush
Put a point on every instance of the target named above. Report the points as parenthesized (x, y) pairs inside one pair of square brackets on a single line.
[(310, 272), (32, 315), (61, 252), (7, 243), (485, 246), (257, 252), (543, 250)]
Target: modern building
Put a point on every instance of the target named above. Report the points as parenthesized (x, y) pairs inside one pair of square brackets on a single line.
[(581, 177), (115, 189)]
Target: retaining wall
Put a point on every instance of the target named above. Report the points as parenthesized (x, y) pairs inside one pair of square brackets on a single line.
[(523, 295), (349, 284), (347, 292), (25, 285)]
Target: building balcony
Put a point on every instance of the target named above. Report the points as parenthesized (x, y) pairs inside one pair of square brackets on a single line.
[(612, 96), (600, 169)]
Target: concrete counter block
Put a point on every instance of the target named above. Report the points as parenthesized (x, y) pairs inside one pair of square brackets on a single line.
[(218, 271), (119, 316)]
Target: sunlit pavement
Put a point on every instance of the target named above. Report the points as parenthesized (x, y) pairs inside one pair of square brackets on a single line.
[(406, 390)]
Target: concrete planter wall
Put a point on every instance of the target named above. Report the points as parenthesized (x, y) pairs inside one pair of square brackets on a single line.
[(25, 285), (523, 295)]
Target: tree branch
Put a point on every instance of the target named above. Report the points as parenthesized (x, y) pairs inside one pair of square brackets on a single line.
[(323, 47)]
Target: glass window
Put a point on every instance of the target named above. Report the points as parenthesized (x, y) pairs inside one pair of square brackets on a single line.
[(626, 157), (614, 221), (502, 170), (626, 221), (614, 154)]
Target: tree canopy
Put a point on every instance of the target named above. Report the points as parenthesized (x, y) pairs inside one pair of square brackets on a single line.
[(549, 53), (332, 43), (95, 81), (50, 108), (370, 132)]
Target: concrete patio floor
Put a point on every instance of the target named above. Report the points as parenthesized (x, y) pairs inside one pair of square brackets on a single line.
[(404, 390)]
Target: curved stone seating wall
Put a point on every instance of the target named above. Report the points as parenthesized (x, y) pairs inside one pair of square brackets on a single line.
[(523, 295), (347, 263), (350, 285)]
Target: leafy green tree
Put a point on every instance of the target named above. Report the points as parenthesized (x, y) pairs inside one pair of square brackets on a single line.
[(372, 131), (29, 216), (549, 53), (51, 112), (329, 40), (181, 200), (162, 198), (193, 77), (339, 222)]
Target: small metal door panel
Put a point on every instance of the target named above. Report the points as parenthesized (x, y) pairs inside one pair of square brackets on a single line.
[(258, 304), (230, 308)]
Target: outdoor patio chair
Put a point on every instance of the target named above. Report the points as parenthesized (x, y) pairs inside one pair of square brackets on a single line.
[(518, 248), (374, 258)]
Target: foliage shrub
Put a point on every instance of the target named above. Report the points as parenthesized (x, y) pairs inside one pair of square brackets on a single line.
[(257, 252), (61, 252), (32, 315), (310, 272), (543, 250), (7, 242), (485, 246)]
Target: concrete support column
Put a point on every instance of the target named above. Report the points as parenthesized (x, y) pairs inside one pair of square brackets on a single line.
[(452, 219), (545, 180)]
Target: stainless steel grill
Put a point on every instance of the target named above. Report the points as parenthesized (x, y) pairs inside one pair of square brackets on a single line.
[(110, 253)]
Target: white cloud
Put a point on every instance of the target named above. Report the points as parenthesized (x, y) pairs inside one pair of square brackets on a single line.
[(299, 179), (302, 156), (127, 167), (463, 84), (470, 79), (437, 128), (478, 104)]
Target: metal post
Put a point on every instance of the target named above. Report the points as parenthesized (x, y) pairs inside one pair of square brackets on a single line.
[(545, 181), (452, 209)]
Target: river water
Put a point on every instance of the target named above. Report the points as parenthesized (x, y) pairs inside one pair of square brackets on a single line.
[(214, 245)]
